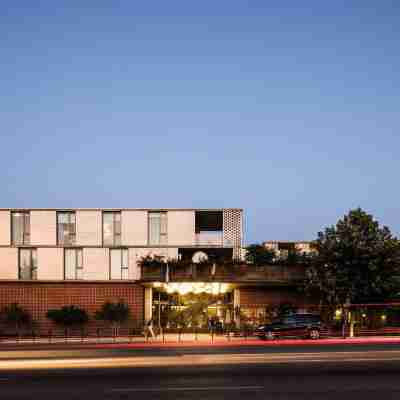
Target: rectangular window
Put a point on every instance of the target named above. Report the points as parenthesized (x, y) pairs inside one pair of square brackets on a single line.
[(158, 228), (111, 228), (27, 264), (20, 227), (119, 268), (73, 263), (66, 228)]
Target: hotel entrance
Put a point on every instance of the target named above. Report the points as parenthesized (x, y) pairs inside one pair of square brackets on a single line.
[(192, 306)]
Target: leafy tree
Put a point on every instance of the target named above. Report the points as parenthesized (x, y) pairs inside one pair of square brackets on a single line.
[(15, 315), (114, 313), (68, 317), (285, 309), (355, 261), (258, 254)]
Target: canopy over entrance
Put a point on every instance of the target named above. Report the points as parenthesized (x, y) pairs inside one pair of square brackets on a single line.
[(183, 288)]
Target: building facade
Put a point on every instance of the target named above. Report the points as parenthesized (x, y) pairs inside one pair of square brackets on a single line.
[(50, 258), (55, 257), (283, 248)]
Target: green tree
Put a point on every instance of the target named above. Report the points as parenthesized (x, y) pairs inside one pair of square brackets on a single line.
[(285, 309), (258, 254), (114, 313), (355, 261), (68, 317), (15, 315)]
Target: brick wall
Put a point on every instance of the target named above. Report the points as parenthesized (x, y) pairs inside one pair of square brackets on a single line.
[(37, 298), (270, 296)]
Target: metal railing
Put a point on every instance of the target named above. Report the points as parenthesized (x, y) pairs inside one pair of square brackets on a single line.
[(127, 336), (207, 272), (209, 239)]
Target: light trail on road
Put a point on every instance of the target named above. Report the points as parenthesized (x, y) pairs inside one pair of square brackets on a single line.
[(200, 360)]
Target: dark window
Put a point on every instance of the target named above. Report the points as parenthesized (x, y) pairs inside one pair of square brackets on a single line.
[(288, 246), (208, 221), (289, 321)]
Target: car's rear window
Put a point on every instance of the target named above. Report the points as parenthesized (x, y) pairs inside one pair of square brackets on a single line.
[(307, 318)]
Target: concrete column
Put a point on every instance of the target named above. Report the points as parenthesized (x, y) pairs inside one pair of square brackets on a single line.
[(148, 303), (236, 305), (351, 322)]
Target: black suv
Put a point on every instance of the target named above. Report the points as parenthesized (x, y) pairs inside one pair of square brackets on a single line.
[(299, 325)]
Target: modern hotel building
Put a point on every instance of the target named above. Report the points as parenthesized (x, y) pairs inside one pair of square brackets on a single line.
[(55, 257)]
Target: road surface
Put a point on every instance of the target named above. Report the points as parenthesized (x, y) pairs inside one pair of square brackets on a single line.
[(317, 372)]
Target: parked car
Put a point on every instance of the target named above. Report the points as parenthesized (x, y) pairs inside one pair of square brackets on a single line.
[(295, 325)]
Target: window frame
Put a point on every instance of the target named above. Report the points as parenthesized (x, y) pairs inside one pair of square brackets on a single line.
[(121, 264), (76, 250), (26, 227), (163, 235), (33, 268), (71, 242), (114, 224)]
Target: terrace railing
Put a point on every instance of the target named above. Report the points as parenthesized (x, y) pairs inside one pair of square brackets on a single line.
[(209, 239), (223, 273)]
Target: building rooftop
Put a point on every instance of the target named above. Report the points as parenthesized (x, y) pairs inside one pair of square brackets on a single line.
[(120, 209)]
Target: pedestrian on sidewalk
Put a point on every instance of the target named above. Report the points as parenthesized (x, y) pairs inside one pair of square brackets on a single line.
[(149, 329)]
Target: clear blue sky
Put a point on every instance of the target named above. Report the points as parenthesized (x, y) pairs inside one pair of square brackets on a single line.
[(287, 109)]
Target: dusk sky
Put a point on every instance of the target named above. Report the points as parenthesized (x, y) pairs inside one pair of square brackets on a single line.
[(289, 110)]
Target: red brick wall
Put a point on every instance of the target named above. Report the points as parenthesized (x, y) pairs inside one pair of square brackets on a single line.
[(270, 296), (37, 298)]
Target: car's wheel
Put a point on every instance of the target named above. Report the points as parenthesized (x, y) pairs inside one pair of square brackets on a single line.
[(269, 335), (314, 334)]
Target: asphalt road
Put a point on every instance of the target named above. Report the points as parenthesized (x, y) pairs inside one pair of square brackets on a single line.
[(319, 372)]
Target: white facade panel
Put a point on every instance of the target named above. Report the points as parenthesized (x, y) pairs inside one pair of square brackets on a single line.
[(5, 228), (181, 228), (137, 253), (134, 228), (134, 269), (134, 258), (8, 263), (50, 264), (43, 228), (96, 264), (88, 228)]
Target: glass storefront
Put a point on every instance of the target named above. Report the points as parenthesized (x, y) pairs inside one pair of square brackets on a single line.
[(191, 310)]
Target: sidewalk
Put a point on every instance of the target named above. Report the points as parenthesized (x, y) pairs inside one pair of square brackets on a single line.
[(189, 339)]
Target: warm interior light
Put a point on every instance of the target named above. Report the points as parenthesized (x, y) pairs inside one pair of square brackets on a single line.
[(195, 287), (338, 313)]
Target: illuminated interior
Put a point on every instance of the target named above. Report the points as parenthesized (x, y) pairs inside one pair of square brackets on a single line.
[(183, 288)]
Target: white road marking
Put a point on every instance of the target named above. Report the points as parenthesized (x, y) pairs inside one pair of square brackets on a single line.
[(192, 389)]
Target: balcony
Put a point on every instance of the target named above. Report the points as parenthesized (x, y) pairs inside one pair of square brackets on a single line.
[(207, 239), (279, 274)]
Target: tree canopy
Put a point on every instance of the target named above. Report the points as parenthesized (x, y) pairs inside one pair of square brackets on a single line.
[(356, 261), (115, 313), (68, 316), (14, 314), (258, 254)]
